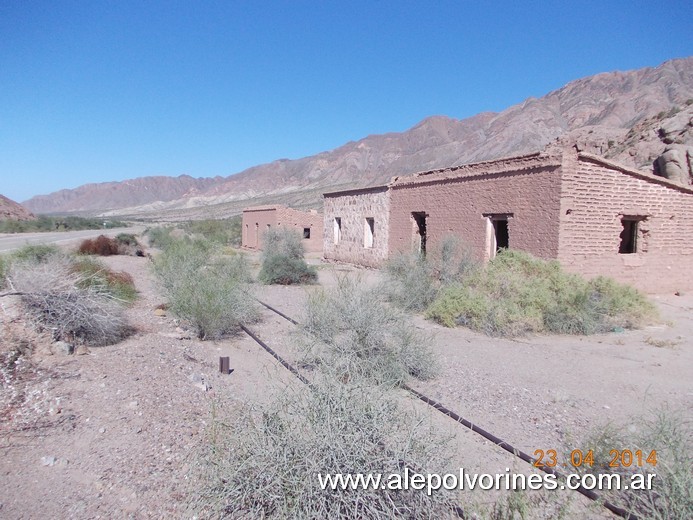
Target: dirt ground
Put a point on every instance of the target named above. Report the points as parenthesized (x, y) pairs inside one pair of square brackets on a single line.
[(112, 433)]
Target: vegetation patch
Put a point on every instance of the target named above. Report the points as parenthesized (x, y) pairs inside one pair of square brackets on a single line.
[(101, 245), (361, 337), (265, 463), (45, 223), (209, 291), (94, 273), (282, 259), (226, 232), (67, 302), (517, 294), (659, 445), (413, 281)]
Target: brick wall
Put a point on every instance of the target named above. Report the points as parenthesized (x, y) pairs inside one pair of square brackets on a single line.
[(353, 208), (458, 201), (595, 197), (257, 220)]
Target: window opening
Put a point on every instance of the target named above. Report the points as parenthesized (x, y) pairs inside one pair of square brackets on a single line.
[(337, 229), (306, 232), (629, 235), (369, 232)]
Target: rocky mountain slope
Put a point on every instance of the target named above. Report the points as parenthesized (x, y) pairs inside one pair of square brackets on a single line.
[(10, 210), (613, 113)]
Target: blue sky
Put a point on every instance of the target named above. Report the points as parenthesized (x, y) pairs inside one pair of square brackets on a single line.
[(94, 91)]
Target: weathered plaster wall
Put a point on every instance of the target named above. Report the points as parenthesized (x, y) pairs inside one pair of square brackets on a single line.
[(353, 208), (595, 197)]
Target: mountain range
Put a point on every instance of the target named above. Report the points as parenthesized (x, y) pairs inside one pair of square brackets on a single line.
[(624, 116)]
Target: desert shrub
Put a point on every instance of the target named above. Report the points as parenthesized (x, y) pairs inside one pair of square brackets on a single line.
[(126, 239), (34, 253), (209, 292), (265, 463), (282, 259), (101, 245), (118, 284), (669, 433), (4, 267), (517, 294), (225, 232), (362, 337), (413, 281), (159, 237), (61, 299)]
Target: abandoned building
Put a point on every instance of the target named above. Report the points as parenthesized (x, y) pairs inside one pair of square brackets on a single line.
[(258, 219), (596, 217)]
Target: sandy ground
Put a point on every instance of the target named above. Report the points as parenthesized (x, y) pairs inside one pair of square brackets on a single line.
[(112, 434)]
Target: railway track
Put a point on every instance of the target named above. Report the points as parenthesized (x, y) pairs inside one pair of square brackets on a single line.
[(590, 494)]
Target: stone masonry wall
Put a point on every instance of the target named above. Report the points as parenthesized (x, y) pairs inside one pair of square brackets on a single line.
[(595, 197), (458, 203), (353, 208)]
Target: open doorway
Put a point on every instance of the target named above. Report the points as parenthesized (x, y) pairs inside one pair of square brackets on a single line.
[(419, 231), (497, 234)]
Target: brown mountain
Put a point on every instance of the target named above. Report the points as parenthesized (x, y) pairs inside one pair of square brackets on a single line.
[(604, 111), (10, 210), (112, 195)]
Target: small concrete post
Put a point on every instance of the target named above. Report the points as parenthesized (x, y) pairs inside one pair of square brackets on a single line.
[(224, 365)]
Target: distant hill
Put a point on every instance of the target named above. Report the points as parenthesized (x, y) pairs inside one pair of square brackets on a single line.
[(10, 210), (616, 114)]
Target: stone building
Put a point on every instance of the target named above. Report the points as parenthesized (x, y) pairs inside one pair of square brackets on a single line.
[(258, 219), (594, 216)]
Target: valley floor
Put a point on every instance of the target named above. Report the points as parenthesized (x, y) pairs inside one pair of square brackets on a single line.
[(113, 433)]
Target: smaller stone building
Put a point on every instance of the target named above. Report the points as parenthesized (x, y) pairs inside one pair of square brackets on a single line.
[(594, 216), (258, 219)]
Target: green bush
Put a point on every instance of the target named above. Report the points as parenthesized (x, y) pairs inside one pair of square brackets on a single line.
[(159, 236), (4, 267), (45, 223), (225, 232), (413, 281), (35, 253), (282, 259), (96, 274), (211, 293), (126, 239), (362, 337), (517, 294)]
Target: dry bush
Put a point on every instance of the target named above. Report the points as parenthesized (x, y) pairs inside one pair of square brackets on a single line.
[(101, 245), (670, 434), (360, 335), (265, 463), (67, 302)]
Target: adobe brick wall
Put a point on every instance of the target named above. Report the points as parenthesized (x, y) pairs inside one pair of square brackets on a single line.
[(596, 195), (257, 220), (301, 220), (457, 199), (353, 207)]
